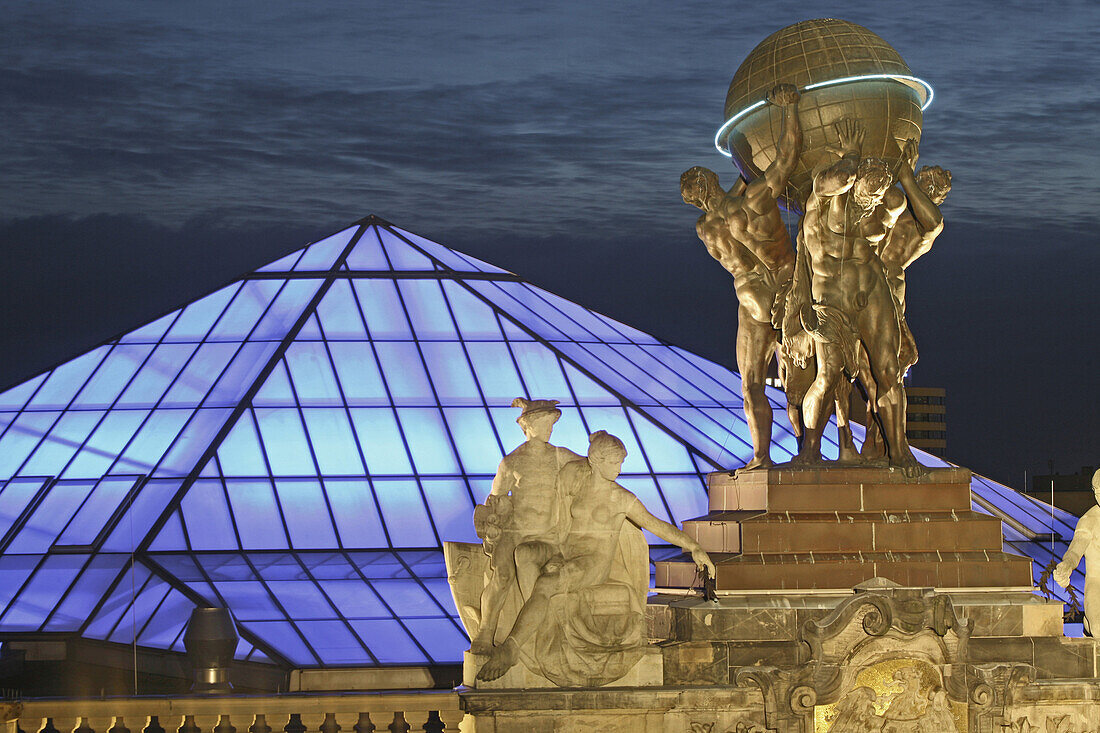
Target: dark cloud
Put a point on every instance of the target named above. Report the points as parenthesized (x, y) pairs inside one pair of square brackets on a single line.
[(154, 151)]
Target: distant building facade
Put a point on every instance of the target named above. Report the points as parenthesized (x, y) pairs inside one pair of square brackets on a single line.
[(1072, 492)]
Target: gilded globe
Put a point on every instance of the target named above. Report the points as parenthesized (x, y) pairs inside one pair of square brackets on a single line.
[(842, 70)]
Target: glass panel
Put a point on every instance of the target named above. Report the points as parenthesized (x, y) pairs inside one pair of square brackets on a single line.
[(404, 514), (541, 372), (285, 640), (14, 571), (586, 318), (380, 441), (527, 295), (476, 319), (87, 592), (657, 369), (322, 255), (199, 375), (66, 380), (192, 442), (496, 373), (285, 310), (665, 453), (388, 642), (429, 441), (242, 314), (62, 443), (90, 520), (451, 258), (452, 509), (106, 443), (311, 331), (506, 302), (354, 598), (439, 637), (587, 390), (17, 396), (358, 373), (333, 443), (207, 518), (339, 313), (367, 254), (475, 439), (306, 514), (111, 612), (633, 382), (405, 374), (311, 374), (283, 264), (14, 498), (406, 598), (427, 310), (632, 334), (141, 514), (171, 537), (513, 331), (454, 383), (383, 311), (241, 373), (285, 442), (152, 440), (248, 600), (145, 605), (21, 438), (300, 598), (156, 374), (197, 318), (240, 454), (686, 496), (152, 332), (276, 391), (402, 255), (355, 513), (259, 523), (112, 376), (168, 622), (334, 642)]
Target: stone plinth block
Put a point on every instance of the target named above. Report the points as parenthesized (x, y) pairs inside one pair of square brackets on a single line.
[(647, 672), (839, 489)]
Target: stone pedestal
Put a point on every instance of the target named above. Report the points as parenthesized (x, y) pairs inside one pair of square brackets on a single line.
[(789, 529)]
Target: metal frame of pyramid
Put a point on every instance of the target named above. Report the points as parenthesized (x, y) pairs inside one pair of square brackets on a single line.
[(297, 445)]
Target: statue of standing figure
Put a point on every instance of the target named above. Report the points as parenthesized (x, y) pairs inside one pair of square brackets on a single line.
[(840, 295), (1086, 544), (743, 229)]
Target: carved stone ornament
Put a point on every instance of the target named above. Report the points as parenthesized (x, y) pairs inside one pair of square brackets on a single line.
[(889, 659)]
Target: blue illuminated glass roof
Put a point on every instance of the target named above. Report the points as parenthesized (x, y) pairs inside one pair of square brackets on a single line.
[(298, 444)]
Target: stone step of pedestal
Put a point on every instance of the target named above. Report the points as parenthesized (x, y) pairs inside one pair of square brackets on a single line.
[(881, 531), (839, 489), (836, 570)]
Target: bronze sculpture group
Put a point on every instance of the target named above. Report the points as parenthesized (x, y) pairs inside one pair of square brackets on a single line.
[(832, 310)]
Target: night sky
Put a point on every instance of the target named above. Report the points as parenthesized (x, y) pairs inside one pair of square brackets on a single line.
[(154, 151)]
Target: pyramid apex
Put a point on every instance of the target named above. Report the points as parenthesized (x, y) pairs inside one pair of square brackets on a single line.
[(373, 219)]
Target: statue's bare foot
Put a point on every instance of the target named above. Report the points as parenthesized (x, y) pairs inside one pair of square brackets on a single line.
[(911, 468), (500, 661), (758, 462)]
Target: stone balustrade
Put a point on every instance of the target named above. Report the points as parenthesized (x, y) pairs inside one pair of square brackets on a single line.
[(429, 710)]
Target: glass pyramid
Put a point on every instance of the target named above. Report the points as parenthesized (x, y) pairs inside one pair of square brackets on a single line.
[(298, 444)]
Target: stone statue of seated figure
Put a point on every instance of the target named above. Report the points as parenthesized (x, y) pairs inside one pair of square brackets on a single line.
[(582, 619)]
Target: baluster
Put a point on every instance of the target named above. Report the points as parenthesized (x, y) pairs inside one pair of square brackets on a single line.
[(286, 723), (259, 724), (312, 721), (381, 721), (205, 723), (224, 725), (98, 723), (119, 726), (450, 720), (343, 722), (417, 719), (362, 724)]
